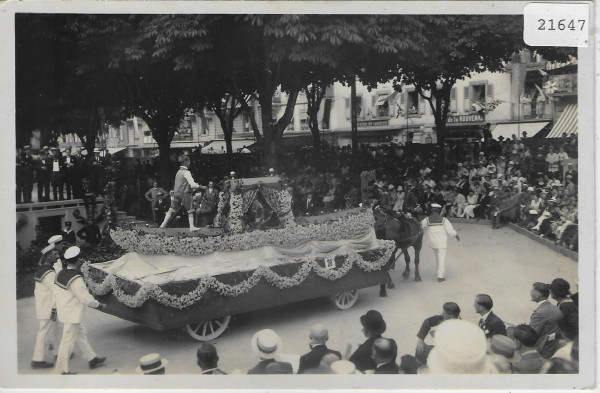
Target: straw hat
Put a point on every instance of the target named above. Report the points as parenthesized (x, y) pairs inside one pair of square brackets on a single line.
[(151, 363), (266, 344)]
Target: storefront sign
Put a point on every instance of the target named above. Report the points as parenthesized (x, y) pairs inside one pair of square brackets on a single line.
[(372, 123), (474, 118)]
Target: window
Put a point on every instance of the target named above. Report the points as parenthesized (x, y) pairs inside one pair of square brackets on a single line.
[(453, 104), (412, 102), (359, 109), (246, 124), (382, 106), (477, 96)]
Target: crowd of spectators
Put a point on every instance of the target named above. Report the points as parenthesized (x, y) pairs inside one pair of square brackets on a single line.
[(547, 344)]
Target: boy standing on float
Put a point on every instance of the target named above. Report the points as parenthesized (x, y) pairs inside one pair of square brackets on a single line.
[(182, 198), (438, 229)]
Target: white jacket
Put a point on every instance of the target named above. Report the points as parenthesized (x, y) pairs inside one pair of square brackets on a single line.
[(438, 232), (71, 302), (44, 296)]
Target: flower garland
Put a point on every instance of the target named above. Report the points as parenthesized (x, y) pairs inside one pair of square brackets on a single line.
[(348, 225), (148, 290), (235, 212)]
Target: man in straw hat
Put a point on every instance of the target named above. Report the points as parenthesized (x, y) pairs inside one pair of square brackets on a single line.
[(72, 296), (45, 304), (438, 229), (544, 320), (373, 327), (460, 348), (267, 345), (152, 364)]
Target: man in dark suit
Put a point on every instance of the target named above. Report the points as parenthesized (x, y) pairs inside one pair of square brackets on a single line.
[(318, 337), (68, 234), (90, 233), (373, 327), (559, 291), (207, 360), (384, 355), (450, 310), (489, 322), (544, 320), (42, 176), (68, 165), (311, 205), (531, 361)]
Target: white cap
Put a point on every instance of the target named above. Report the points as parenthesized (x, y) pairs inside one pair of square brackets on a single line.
[(436, 206), (72, 252), (55, 239), (47, 248)]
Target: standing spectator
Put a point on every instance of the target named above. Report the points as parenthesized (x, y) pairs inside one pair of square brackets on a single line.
[(384, 355), (553, 162), (153, 196), (544, 320), (373, 327), (90, 233), (531, 361), (450, 310), (559, 291), (45, 304), (318, 348), (267, 345), (208, 359), (76, 173), (438, 229), (26, 164), (207, 210), (68, 234), (68, 165), (489, 322), (97, 172), (152, 364), (72, 297), (42, 175), (56, 175)]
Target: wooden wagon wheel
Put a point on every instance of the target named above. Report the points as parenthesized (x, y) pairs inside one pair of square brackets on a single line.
[(346, 299), (208, 330)]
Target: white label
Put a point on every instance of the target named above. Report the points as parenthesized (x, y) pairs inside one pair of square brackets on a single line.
[(557, 24)]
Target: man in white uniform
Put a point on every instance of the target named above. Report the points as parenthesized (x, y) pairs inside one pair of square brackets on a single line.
[(439, 228), (44, 305), (72, 296), (57, 244)]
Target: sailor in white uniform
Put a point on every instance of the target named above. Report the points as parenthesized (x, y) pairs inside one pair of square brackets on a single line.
[(438, 229)]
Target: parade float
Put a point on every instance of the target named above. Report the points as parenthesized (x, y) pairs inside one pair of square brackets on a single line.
[(256, 256)]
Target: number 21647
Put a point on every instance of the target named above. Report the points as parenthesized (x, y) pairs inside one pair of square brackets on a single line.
[(562, 24)]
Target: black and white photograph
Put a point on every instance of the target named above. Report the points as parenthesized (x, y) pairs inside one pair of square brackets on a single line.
[(246, 189)]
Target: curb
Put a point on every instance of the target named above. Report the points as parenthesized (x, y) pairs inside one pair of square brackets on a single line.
[(550, 244)]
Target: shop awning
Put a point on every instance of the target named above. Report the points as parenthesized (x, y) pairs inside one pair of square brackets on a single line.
[(566, 123), (506, 130), (236, 145), (113, 150)]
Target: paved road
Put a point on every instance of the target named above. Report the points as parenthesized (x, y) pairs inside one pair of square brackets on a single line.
[(501, 263)]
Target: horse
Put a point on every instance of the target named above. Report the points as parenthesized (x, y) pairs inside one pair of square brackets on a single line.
[(405, 231)]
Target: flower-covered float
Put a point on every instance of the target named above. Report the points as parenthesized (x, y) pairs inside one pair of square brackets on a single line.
[(257, 256)]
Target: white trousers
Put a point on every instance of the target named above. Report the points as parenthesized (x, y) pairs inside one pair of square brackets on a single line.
[(45, 335), (440, 255), (73, 333)]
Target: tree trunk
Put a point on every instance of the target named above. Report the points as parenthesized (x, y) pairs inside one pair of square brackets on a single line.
[(164, 163)]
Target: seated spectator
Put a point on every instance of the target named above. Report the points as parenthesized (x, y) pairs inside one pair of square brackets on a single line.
[(503, 352), (544, 320), (279, 368), (207, 359), (152, 364), (489, 322), (267, 345), (324, 366), (461, 348), (384, 355), (559, 291), (450, 310), (344, 367), (318, 337), (408, 365), (471, 205), (531, 361), (373, 327)]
